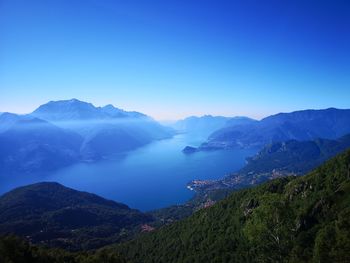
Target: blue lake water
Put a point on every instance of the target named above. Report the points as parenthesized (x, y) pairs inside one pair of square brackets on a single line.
[(150, 177)]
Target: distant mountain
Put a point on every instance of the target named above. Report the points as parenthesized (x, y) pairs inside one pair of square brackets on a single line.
[(106, 130), (114, 112), (7, 120), (74, 110), (239, 120), (300, 125), (204, 124), (207, 124), (31, 144), (61, 133), (294, 219), (298, 157), (55, 215), (275, 160)]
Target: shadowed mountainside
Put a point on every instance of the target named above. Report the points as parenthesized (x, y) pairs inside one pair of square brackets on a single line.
[(31, 144), (61, 133), (293, 219), (203, 126), (58, 216), (299, 125)]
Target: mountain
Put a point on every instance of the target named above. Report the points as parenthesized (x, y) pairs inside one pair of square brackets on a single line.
[(298, 157), (273, 161), (299, 125), (202, 125), (58, 216), (293, 219), (207, 124), (7, 120), (114, 112), (74, 110), (239, 120), (106, 130), (31, 144), (61, 133)]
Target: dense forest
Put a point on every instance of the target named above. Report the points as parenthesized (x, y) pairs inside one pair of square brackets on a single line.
[(57, 216), (303, 219), (291, 219), (16, 250)]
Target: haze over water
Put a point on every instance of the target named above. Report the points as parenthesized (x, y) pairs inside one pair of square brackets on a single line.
[(150, 177)]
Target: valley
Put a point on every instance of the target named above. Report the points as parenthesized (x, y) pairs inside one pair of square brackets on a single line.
[(296, 216), (139, 177), (174, 131), (225, 186)]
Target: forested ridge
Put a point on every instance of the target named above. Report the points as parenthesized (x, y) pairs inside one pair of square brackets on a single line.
[(291, 219), (303, 219)]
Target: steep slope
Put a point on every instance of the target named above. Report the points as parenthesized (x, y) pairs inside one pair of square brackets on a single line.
[(303, 219), (31, 144), (59, 216), (61, 133), (114, 137), (300, 125), (298, 157), (282, 159), (16, 250), (273, 161)]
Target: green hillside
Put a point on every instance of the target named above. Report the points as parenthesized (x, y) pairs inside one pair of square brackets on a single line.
[(304, 219), (15, 250), (298, 157), (291, 219), (57, 216)]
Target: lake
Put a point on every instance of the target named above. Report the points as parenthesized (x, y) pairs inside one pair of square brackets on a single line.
[(150, 177)]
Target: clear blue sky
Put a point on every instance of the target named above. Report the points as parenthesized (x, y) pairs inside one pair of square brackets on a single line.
[(170, 59)]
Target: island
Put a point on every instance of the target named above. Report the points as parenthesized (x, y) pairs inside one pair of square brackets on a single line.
[(189, 150)]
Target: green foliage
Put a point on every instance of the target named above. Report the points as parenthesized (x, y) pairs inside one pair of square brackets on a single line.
[(16, 250), (58, 216), (174, 213), (293, 219), (293, 156)]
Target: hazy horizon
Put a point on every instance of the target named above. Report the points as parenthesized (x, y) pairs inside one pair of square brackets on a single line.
[(220, 108), (172, 120), (170, 60)]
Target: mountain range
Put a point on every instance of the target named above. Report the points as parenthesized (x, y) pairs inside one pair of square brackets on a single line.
[(89, 133), (76, 110), (287, 219), (275, 160), (31, 144), (290, 219), (297, 157), (293, 219), (299, 125), (61, 133)]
